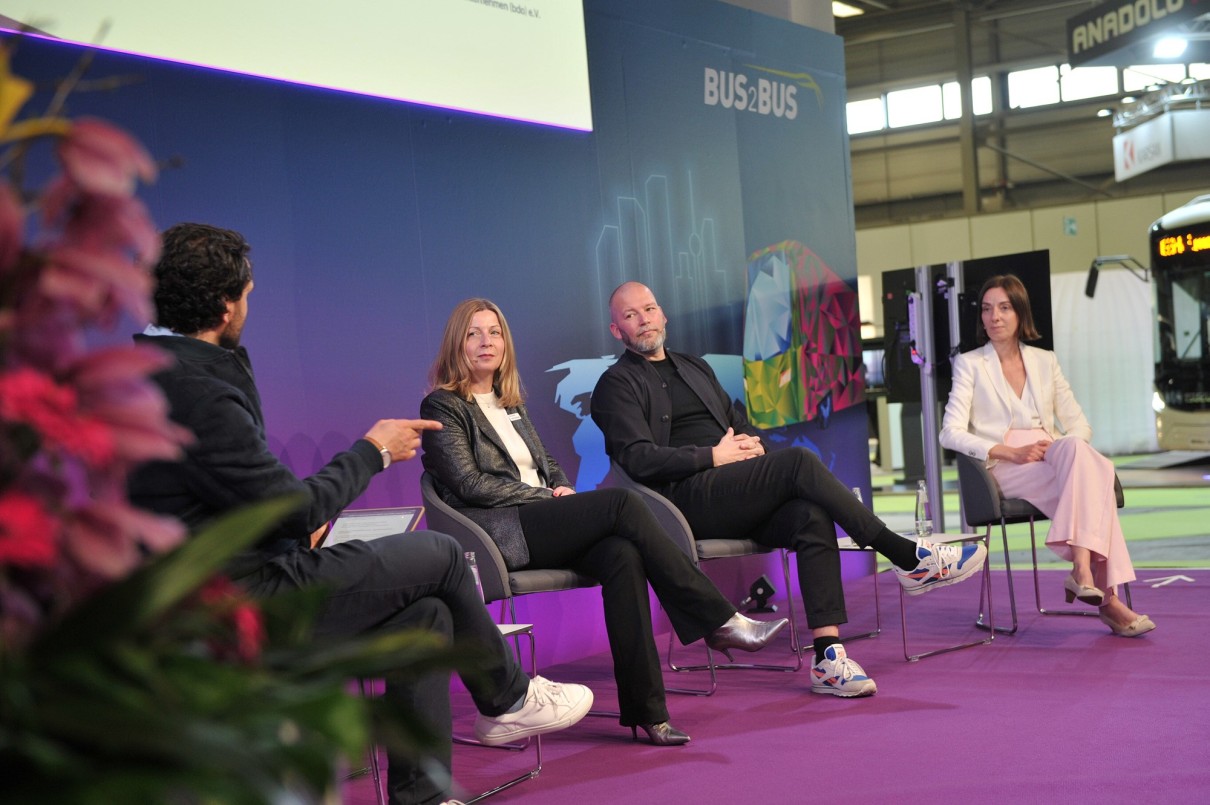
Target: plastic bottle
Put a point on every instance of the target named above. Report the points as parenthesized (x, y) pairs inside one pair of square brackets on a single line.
[(924, 512), (473, 565)]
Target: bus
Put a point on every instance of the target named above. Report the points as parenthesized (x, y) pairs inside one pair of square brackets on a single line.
[(1180, 273)]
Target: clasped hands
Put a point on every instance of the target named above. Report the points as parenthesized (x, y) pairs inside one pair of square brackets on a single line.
[(736, 447), (1028, 453)]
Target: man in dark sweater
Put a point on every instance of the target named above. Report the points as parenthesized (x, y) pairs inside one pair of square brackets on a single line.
[(669, 424), (415, 580)]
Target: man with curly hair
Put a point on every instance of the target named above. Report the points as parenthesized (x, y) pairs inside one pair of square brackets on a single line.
[(415, 580)]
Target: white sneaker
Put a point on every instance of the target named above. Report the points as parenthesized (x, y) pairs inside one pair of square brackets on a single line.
[(549, 707), (838, 675), (941, 565)]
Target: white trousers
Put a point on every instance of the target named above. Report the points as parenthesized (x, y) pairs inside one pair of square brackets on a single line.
[(1073, 486)]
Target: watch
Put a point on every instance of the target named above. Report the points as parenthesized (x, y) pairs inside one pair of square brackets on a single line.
[(386, 457)]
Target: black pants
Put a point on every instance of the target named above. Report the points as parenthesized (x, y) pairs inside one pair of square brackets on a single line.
[(610, 535), (783, 499), (417, 580)]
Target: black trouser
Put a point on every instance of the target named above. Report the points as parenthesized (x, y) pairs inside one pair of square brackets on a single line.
[(417, 580), (610, 535), (784, 499)]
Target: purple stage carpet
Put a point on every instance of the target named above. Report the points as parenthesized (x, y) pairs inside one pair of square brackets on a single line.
[(1060, 712)]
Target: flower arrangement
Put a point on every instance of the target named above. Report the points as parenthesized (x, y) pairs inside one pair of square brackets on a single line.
[(131, 670)]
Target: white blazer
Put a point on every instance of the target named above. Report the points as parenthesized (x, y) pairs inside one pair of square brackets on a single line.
[(978, 413)]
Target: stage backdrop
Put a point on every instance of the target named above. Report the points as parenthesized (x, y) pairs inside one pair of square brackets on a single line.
[(718, 174)]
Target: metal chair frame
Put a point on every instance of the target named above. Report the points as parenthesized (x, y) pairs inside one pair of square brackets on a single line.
[(515, 631), (678, 529), (983, 506), (497, 581), (985, 592)]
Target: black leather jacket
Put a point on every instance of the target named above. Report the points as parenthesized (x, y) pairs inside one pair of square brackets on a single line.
[(475, 474)]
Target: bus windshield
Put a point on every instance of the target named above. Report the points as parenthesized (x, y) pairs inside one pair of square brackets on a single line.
[(1180, 265)]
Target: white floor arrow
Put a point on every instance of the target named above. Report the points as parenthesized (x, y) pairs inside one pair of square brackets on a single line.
[(1164, 581)]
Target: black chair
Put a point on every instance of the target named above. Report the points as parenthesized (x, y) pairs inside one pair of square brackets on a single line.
[(499, 583), (984, 506), (677, 528)]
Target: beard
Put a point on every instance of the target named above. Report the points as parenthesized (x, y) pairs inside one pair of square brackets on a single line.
[(229, 338), (648, 343)]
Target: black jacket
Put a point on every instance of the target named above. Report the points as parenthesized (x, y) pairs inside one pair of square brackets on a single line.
[(475, 474), (632, 408), (211, 391)]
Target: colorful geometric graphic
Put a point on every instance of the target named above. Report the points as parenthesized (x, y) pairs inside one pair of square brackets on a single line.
[(802, 338)]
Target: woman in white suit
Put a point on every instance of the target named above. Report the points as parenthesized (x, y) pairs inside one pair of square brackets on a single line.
[(1011, 407)]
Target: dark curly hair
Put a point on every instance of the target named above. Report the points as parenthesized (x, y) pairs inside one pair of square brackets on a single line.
[(200, 270)]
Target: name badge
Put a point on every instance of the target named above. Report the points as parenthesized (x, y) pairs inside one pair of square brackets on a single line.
[(514, 417)]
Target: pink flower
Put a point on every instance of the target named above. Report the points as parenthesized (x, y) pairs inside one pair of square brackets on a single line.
[(113, 388), (113, 224), (32, 398), (247, 620), (104, 537), (29, 534), (103, 159), (97, 284), (45, 332), (249, 630)]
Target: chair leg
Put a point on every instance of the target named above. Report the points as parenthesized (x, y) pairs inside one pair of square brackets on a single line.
[(1033, 547), (537, 739), (375, 766), (1012, 591), (795, 647), (877, 607), (985, 593), (710, 666)]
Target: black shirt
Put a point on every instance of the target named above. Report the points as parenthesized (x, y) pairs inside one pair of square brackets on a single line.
[(692, 422)]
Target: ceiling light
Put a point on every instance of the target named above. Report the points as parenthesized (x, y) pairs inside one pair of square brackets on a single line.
[(1104, 112), (845, 10), (1169, 47)]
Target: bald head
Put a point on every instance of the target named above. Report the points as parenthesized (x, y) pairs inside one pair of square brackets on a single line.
[(637, 320)]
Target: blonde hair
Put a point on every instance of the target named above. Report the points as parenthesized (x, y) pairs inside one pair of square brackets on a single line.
[(451, 370)]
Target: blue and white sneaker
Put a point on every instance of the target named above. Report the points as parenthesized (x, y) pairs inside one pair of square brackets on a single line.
[(941, 565), (838, 675)]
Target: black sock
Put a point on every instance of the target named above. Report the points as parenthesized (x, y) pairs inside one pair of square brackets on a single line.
[(821, 644), (900, 550)]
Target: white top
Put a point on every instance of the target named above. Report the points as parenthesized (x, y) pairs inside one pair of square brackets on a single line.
[(518, 451), (1025, 411)]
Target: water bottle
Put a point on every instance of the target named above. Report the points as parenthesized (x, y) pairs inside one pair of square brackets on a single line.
[(924, 512), (470, 561)]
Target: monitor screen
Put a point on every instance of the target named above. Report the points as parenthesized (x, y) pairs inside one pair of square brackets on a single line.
[(523, 59), (874, 361)]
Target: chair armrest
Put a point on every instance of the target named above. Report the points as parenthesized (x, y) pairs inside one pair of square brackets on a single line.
[(493, 574), (669, 516)]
